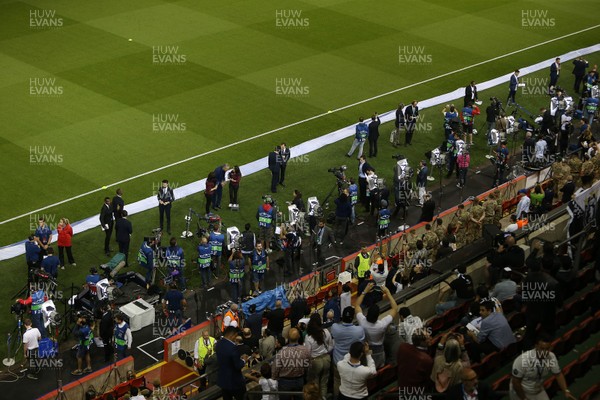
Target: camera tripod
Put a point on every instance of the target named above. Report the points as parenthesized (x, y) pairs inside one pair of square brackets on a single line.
[(9, 361), (113, 370)]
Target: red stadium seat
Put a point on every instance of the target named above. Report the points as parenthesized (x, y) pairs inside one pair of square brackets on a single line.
[(502, 384), (590, 393)]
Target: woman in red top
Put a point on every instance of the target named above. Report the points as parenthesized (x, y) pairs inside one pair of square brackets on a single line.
[(65, 233), (234, 184), (211, 186)]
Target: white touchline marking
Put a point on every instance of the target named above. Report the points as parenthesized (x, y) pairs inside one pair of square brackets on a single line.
[(298, 123)]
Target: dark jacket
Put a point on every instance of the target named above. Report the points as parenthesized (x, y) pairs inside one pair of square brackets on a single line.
[(254, 323), (276, 318), (124, 230), (374, 129), (274, 164), (106, 216), (230, 375), (117, 206)]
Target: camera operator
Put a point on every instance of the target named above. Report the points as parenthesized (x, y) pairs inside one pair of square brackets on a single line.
[(31, 339), (491, 115), (383, 219), (32, 253), (372, 191), (401, 194), (449, 112), (174, 304), (501, 163), (343, 213), (422, 181), (84, 333), (265, 216), (566, 128), (176, 262), (146, 257), (35, 300), (292, 243)]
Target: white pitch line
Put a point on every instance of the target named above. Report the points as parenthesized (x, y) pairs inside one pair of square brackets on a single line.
[(300, 122), (146, 353)]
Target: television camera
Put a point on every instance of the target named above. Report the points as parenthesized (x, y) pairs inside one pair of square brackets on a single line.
[(402, 170)]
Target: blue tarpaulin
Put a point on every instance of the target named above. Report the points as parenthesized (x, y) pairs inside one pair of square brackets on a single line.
[(267, 299)]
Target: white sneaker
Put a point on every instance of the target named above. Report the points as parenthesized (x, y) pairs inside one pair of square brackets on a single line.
[(73, 265), (230, 205)]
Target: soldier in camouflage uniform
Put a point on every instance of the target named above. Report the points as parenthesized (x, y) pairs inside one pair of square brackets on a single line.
[(440, 230), (474, 230), (560, 170), (489, 208), (431, 241), (411, 240), (462, 221), (587, 169), (596, 162), (575, 165)]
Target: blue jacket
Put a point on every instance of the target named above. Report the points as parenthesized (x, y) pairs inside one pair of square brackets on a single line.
[(50, 265), (230, 364), (514, 81), (32, 251), (146, 256), (362, 131), (216, 241)]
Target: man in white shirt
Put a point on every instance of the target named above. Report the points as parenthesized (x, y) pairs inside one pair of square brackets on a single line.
[(531, 369), (523, 206), (513, 226), (408, 325), (353, 374), (374, 327), (540, 150), (31, 339)]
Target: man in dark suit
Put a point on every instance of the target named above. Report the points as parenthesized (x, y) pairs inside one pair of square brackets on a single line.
[(579, 68), (276, 319), (254, 321), (470, 388), (165, 198), (284, 157), (124, 230), (275, 168), (230, 378), (374, 134), (107, 325), (324, 239), (512, 87), (554, 73), (118, 204), (428, 210), (106, 223), (411, 113), (363, 167), (470, 94)]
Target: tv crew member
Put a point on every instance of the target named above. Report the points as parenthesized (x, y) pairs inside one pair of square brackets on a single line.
[(84, 333)]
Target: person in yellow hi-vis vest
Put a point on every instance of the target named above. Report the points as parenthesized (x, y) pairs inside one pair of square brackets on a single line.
[(204, 348), (363, 264)]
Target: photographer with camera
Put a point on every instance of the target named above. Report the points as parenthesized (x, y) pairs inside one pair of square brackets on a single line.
[(265, 215), (372, 191), (236, 274), (292, 244), (204, 260), (176, 262), (84, 333), (492, 112), (174, 304), (363, 167), (383, 219), (260, 264), (216, 240)]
